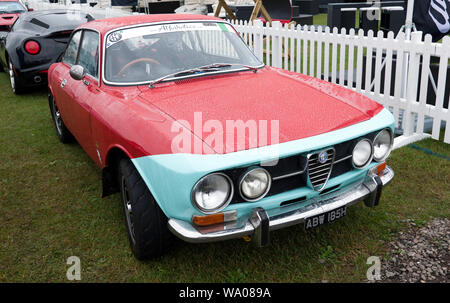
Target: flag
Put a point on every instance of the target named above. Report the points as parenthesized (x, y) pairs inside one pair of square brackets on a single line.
[(432, 17)]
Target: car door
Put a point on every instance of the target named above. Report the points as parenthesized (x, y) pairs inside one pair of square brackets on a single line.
[(62, 84), (85, 91)]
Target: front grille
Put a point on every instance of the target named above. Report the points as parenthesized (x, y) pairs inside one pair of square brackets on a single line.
[(299, 170), (318, 173)]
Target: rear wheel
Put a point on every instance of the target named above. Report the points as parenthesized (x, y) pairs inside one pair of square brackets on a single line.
[(146, 223), (16, 87), (63, 133)]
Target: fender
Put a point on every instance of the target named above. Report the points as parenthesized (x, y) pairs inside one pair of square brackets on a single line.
[(113, 155)]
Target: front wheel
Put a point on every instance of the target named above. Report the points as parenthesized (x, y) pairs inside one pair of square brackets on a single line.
[(146, 223)]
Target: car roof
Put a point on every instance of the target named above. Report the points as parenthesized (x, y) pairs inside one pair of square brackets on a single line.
[(53, 11), (105, 25)]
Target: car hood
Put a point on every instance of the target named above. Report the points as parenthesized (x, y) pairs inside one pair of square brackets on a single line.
[(8, 19), (292, 106)]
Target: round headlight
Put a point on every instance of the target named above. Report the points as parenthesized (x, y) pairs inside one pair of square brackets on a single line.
[(382, 145), (212, 193), (255, 184), (362, 153)]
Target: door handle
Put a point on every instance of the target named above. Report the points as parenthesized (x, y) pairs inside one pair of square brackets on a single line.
[(63, 83)]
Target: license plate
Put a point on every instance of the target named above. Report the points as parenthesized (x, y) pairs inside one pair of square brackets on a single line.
[(327, 217)]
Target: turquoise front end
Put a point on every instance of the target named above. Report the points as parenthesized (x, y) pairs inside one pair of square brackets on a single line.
[(171, 177)]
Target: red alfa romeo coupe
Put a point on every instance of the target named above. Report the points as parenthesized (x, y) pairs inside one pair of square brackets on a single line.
[(205, 142)]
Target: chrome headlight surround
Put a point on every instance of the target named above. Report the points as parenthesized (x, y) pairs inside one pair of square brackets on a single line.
[(220, 206), (379, 137), (246, 174), (368, 158)]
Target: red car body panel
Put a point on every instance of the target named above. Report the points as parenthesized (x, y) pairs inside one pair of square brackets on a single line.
[(8, 19), (138, 120), (304, 107)]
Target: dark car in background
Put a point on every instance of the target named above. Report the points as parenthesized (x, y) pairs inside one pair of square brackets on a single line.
[(36, 40)]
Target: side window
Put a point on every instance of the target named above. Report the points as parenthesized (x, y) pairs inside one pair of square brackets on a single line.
[(70, 56), (88, 57)]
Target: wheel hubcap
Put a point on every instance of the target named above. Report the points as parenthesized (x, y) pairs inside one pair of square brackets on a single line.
[(57, 115), (128, 209), (11, 76)]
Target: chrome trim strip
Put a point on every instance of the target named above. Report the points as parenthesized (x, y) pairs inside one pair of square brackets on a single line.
[(343, 159), (302, 171), (283, 216), (289, 175)]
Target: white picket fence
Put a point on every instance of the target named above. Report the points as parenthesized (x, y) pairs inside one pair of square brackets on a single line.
[(391, 76), (318, 52)]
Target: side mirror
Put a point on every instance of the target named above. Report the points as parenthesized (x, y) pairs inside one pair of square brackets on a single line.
[(77, 72)]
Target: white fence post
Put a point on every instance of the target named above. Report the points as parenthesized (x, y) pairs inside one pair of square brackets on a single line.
[(440, 112), (258, 39), (276, 44), (413, 79)]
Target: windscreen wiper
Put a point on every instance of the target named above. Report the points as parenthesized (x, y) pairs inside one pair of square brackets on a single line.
[(199, 70), (176, 74), (220, 65)]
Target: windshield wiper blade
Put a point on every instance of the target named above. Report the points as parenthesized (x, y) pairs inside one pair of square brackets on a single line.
[(176, 74), (220, 65), (198, 70)]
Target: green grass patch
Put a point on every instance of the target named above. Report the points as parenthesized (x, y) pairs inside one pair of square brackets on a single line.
[(51, 209)]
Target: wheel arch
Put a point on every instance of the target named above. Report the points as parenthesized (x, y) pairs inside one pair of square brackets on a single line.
[(110, 170)]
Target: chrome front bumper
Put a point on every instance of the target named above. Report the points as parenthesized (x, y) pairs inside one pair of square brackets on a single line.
[(260, 222)]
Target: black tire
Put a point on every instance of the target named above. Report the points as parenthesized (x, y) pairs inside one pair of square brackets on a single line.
[(62, 132), (146, 224), (16, 86)]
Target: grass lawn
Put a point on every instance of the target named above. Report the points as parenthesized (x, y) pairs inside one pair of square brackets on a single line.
[(51, 209)]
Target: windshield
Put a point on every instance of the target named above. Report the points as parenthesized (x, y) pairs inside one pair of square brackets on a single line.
[(11, 8), (145, 54)]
